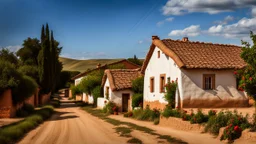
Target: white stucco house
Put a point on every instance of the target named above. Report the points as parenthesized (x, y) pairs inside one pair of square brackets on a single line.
[(204, 73), (78, 78), (117, 84)]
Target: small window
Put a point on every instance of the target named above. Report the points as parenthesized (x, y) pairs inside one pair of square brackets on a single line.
[(158, 54), (107, 92), (209, 81), (162, 83), (152, 84)]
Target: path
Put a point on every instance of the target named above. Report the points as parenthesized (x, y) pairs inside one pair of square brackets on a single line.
[(70, 125)]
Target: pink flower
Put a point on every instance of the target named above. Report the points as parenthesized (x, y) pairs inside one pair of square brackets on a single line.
[(236, 128), (235, 72), (250, 78)]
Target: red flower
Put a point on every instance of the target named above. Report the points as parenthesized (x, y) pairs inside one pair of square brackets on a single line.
[(185, 111), (172, 81), (250, 78), (105, 101), (235, 72), (236, 128)]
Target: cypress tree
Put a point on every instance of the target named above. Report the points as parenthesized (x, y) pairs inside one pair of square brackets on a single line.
[(53, 62)]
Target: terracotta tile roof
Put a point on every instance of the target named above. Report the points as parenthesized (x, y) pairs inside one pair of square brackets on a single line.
[(120, 79), (187, 54), (132, 66)]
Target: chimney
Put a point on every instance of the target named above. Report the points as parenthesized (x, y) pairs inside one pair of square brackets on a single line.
[(155, 37), (98, 65), (185, 39)]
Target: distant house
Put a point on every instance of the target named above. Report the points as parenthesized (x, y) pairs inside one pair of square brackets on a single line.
[(117, 84), (124, 63), (204, 73)]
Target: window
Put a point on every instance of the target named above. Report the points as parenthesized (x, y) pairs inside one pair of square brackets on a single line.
[(208, 81), (107, 92), (158, 54), (162, 83), (152, 84)]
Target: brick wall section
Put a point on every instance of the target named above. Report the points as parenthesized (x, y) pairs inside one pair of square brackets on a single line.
[(45, 98), (6, 110)]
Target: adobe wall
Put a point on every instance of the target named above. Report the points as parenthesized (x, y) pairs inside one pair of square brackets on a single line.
[(154, 104), (45, 98), (6, 110), (225, 94)]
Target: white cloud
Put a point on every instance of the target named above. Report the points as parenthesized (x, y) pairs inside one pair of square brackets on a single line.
[(140, 42), (241, 29), (254, 11), (181, 7), (226, 20), (13, 48), (169, 19), (193, 30)]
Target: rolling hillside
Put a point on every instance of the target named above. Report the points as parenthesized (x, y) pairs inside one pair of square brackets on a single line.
[(83, 65)]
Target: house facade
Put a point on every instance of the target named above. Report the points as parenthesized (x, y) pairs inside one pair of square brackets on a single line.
[(204, 73), (117, 84), (78, 78)]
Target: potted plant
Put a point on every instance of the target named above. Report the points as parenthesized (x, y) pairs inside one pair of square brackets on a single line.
[(115, 110)]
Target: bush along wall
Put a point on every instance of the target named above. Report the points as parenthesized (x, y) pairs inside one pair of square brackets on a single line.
[(12, 133)]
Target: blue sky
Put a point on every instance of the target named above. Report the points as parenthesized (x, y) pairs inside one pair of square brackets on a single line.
[(121, 28)]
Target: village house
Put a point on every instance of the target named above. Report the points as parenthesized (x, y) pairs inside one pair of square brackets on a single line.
[(117, 84), (204, 72), (125, 64)]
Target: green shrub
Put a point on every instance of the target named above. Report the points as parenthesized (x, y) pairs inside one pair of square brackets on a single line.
[(146, 114), (169, 112), (156, 121), (185, 116), (170, 93), (138, 85), (25, 110), (96, 92), (29, 70), (199, 117), (137, 100), (128, 114), (55, 103), (26, 88), (13, 132), (75, 90), (212, 113), (235, 126), (108, 108)]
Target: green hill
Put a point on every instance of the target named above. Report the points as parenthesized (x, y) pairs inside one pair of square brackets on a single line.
[(83, 65)]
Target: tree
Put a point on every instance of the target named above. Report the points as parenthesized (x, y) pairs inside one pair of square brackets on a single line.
[(49, 66), (29, 52), (135, 60), (137, 88), (6, 55), (247, 75)]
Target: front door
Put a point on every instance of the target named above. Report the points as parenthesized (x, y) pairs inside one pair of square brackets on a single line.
[(125, 99)]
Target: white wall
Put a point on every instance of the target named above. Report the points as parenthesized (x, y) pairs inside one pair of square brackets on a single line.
[(225, 84), (156, 67), (101, 102), (78, 80)]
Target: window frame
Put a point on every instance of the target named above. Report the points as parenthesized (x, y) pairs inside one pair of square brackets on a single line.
[(212, 76), (152, 84), (162, 83), (107, 92), (158, 54)]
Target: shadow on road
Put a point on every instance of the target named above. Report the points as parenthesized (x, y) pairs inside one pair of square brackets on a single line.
[(62, 116)]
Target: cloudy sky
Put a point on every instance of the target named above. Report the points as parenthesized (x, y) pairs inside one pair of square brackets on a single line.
[(121, 28)]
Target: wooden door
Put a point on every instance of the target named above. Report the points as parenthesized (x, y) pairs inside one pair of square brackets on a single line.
[(125, 99)]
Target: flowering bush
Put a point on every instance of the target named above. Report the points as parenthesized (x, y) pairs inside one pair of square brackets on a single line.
[(169, 112), (170, 92), (199, 117), (212, 113), (128, 114), (115, 109), (185, 116), (235, 126), (109, 108)]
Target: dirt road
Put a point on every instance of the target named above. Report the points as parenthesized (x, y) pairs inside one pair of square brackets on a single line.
[(70, 125)]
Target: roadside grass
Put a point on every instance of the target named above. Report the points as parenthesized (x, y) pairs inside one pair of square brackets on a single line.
[(134, 141), (124, 131), (98, 113), (55, 103), (12, 133)]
